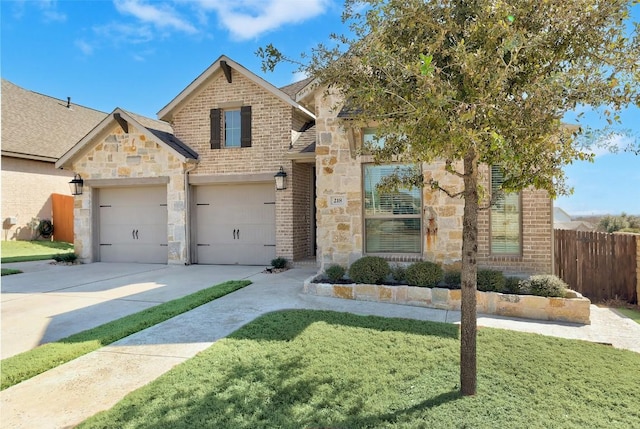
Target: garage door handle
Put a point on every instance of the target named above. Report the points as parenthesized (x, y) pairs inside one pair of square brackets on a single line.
[(234, 234), (137, 235), (238, 234), (133, 234)]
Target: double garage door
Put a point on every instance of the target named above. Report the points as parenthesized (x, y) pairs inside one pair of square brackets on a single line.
[(233, 224)]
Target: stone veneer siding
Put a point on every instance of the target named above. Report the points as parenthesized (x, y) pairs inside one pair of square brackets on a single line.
[(27, 186), (118, 156), (272, 121), (340, 232)]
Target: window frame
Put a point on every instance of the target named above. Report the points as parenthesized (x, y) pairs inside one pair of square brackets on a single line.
[(225, 128), (366, 217), (493, 253)]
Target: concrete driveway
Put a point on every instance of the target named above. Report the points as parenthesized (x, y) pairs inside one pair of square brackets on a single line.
[(49, 302)]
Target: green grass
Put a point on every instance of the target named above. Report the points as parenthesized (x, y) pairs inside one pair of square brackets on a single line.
[(9, 271), (36, 361), (21, 251), (630, 313), (316, 369)]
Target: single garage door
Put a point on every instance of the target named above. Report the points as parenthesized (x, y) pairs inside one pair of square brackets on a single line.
[(133, 224), (235, 224)]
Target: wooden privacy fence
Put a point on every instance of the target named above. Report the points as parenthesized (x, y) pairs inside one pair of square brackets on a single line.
[(62, 217), (599, 265)]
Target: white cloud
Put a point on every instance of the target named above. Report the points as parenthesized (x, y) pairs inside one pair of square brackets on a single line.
[(298, 76), (247, 19), (120, 33), (613, 143), (85, 47), (50, 12), (160, 15)]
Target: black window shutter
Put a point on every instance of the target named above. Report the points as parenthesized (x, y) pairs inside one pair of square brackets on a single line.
[(215, 117), (245, 126)]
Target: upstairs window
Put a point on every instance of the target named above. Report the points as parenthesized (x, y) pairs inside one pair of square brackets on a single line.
[(232, 124), (392, 220), (232, 128), (505, 218)]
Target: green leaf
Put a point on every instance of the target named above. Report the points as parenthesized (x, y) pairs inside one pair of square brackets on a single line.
[(426, 68)]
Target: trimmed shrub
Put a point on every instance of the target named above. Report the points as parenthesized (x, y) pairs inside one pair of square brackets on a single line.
[(279, 262), (545, 285), (369, 269), (490, 281), (335, 273), (65, 257), (513, 285), (452, 278), (425, 274), (399, 273)]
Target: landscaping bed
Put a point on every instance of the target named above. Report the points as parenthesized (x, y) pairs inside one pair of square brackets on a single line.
[(575, 309), (427, 284)]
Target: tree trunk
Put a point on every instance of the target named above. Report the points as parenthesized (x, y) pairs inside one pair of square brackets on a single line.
[(469, 276)]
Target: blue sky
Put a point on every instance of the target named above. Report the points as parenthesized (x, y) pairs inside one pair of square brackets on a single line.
[(139, 54)]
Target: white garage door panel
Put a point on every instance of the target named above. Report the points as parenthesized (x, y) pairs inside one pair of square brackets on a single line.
[(133, 225), (235, 224)]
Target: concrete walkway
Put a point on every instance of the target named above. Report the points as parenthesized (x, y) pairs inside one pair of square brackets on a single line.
[(65, 396)]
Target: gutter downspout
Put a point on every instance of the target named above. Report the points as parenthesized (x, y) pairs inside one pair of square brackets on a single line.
[(187, 207)]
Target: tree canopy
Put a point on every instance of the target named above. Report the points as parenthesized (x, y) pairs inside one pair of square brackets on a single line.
[(478, 82)]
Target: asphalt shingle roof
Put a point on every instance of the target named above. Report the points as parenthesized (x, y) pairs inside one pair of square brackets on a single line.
[(39, 125), (163, 131), (292, 89)]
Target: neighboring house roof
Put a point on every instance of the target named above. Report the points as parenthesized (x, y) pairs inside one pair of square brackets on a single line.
[(560, 215), (37, 126), (575, 225), (153, 129), (224, 65)]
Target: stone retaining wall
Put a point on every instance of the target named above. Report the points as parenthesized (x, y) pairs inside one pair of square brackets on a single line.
[(575, 309)]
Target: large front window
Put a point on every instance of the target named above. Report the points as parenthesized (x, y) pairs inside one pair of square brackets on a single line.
[(392, 220), (505, 218)]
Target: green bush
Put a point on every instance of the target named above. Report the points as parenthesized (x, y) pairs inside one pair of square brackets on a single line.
[(545, 285), (335, 273), (399, 273), (425, 274), (453, 279), (65, 257), (490, 280), (369, 269), (513, 285), (279, 262)]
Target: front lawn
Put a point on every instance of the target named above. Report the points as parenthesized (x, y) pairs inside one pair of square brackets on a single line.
[(36, 361), (313, 369), (9, 271), (21, 251)]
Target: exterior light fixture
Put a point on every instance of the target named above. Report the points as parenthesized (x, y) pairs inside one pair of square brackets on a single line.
[(76, 185), (281, 179)]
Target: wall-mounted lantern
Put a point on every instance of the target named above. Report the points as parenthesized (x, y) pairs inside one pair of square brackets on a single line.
[(76, 185), (281, 179)]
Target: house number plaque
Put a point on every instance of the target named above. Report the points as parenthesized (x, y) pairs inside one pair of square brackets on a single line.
[(337, 201)]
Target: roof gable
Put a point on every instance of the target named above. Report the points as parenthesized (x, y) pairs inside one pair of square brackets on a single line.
[(224, 65), (37, 126), (154, 130)]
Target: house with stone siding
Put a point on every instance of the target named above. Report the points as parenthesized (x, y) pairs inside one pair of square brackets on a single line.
[(354, 219), (198, 186)]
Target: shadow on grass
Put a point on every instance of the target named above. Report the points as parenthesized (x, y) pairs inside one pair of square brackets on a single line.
[(269, 328), (259, 377)]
